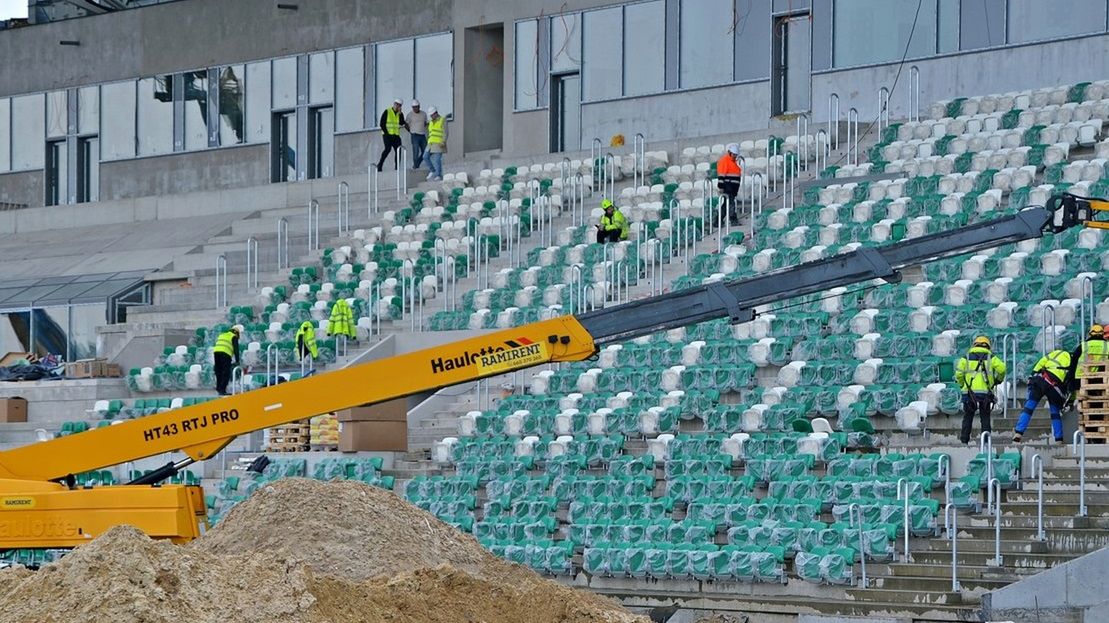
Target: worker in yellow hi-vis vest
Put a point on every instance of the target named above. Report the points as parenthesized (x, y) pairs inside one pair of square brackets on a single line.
[(225, 350), (977, 374), (1048, 380), (391, 121)]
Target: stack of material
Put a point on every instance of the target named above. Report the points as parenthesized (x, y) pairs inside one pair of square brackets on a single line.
[(292, 437), (325, 432), (1093, 402), (300, 551)]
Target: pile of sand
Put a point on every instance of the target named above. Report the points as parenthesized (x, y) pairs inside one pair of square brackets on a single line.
[(299, 551)]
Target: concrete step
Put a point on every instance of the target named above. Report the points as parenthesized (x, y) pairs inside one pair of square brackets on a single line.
[(986, 544), (917, 569), (984, 558), (938, 584), (906, 596), (1031, 495), (1029, 522), (1072, 540), (1052, 508)]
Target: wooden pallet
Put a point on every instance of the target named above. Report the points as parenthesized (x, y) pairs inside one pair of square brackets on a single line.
[(301, 440), (287, 447), (325, 447), (1094, 410), (297, 429), (1095, 431)]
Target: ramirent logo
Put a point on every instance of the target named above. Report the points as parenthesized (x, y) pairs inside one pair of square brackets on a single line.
[(468, 358), (509, 356)]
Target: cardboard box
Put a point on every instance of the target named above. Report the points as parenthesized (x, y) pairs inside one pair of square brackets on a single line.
[(13, 410), (373, 436), (91, 369), (113, 370), (390, 411), (12, 357)]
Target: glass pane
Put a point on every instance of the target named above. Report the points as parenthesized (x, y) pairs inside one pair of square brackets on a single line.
[(324, 142), (602, 53), (798, 61), (570, 110), (15, 332), (644, 53), (949, 26), (57, 114), (83, 320), (117, 131), (28, 121), (284, 83), (89, 154), (876, 31), (196, 109), (526, 64), (88, 110), (231, 91), (51, 331), (393, 72), (434, 71), (565, 42), (258, 102), (1030, 20), (349, 89), (155, 115), (5, 134), (981, 24), (321, 78), (57, 178), (705, 43)]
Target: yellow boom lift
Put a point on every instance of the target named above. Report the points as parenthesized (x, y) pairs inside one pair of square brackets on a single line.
[(40, 506)]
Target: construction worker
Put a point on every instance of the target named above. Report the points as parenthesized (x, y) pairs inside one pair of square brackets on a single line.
[(226, 349), (416, 121), (391, 121), (436, 143), (977, 374), (341, 321), (1092, 350), (306, 340), (728, 177), (613, 226), (1048, 380)]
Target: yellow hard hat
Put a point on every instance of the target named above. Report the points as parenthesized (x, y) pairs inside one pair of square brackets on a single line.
[(606, 204), (1097, 331), (982, 340)]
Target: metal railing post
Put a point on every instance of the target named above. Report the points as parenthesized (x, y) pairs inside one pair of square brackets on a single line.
[(237, 385), (371, 192), (282, 243), (375, 295), (883, 110), (272, 360), (1038, 474), (853, 511), (943, 468), (344, 208), (400, 157), (985, 446), (951, 521), (251, 262), (821, 151), (313, 225), (595, 148), (610, 176), (1088, 306), (639, 148), (833, 118), (914, 93), (853, 135), (995, 486), (221, 282), (1078, 446), (1045, 325), (1009, 357), (905, 482), (802, 140)]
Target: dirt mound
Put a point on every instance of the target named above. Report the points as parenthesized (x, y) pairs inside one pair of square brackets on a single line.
[(343, 528), (126, 576)]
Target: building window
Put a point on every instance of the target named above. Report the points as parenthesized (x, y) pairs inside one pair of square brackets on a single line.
[(1032, 20), (155, 116), (5, 134), (28, 121), (876, 31), (603, 54), (393, 73), (705, 43), (57, 114), (527, 65), (434, 73), (258, 102), (117, 123), (232, 91), (88, 110), (195, 84), (565, 43), (644, 48), (284, 83), (350, 89), (321, 78)]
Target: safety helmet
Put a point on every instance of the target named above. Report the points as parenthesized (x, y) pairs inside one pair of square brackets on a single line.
[(237, 329), (1097, 331), (982, 340), (606, 204)]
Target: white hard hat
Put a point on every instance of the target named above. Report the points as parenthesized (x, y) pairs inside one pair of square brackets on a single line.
[(238, 328), (415, 103), (733, 148), (433, 111), (397, 101)]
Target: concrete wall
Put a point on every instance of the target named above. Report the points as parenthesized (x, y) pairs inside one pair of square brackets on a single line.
[(1075, 587), (213, 169), (25, 188)]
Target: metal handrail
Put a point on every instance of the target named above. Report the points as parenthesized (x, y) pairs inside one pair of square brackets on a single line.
[(595, 148), (914, 93), (400, 157), (802, 140), (282, 243), (251, 262), (853, 135), (1080, 449), (883, 110), (852, 511), (372, 204), (237, 388), (221, 285), (906, 482), (951, 522), (272, 359), (639, 148), (1044, 322), (1038, 474), (375, 299), (995, 485), (985, 446), (344, 208), (943, 469), (821, 151), (610, 176), (1086, 296), (577, 286), (833, 118), (1010, 343), (313, 225)]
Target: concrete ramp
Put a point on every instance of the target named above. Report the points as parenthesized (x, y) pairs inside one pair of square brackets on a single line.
[(1073, 592)]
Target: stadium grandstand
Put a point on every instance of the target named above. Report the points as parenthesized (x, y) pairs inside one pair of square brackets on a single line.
[(172, 173)]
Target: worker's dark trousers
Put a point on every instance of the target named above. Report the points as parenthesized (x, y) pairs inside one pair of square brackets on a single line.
[(392, 144), (223, 372), (1038, 389), (612, 235), (728, 192), (975, 401)]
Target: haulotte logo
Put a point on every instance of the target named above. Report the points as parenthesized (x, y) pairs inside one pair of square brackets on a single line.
[(471, 358)]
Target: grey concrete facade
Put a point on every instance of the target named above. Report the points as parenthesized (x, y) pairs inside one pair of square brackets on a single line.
[(1075, 588), (181, 36)]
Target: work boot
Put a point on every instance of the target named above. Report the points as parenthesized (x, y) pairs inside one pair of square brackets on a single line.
[(1017, 437)]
